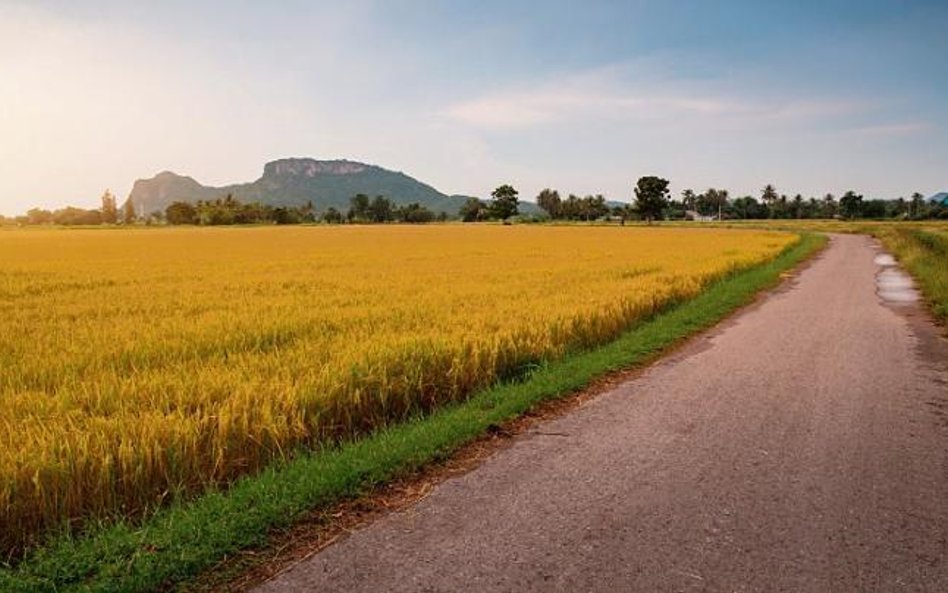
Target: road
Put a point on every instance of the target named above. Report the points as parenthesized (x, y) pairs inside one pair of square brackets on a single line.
[(802, 446)]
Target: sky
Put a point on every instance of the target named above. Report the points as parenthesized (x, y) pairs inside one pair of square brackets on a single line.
[(813, 97)]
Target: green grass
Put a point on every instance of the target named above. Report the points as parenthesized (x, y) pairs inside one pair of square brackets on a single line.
[(924, 253), (180, 541)]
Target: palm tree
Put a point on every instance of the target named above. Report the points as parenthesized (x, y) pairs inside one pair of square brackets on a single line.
[(917, 201), (769, 197), (722, 200), (688, 199), (829, 206)]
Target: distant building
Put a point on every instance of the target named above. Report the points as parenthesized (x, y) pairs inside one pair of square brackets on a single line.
[(940, 198), (695, 216)]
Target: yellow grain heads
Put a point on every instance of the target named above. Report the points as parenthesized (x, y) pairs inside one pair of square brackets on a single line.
[(140, 364)]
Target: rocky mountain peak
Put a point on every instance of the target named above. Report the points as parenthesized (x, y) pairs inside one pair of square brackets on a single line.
[(302, 167)]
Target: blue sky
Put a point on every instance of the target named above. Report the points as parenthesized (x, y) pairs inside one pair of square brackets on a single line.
[(814, 97)]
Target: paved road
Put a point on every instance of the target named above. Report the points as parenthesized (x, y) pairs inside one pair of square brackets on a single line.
[(801, 447)]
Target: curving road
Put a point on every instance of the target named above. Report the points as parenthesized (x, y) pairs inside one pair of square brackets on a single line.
[(802, 446)]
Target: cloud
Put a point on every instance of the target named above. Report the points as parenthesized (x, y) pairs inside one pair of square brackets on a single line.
[(614, 93), (513, 110), (891, 129)]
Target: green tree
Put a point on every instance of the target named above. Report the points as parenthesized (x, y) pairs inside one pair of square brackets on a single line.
[(473, 210), (504, 202), (899, 208), (307, 212), (571, 208), (594, 207), (358, 207), (286, 215), (769, 198), (797, 206), (381, 209), (549, 200), (850, 204), (414, 213), (748, 207), (916, 205), (624, 212), (712, 201), (651, 197), (181, 213), (332, 216), (829, 208), (722, 200), (689, 200)]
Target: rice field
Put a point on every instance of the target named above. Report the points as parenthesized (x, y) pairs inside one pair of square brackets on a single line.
[(140, 365)]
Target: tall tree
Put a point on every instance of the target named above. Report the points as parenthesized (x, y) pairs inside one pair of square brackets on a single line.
[(549, 200), (414, 213), (381, 209), (332, 216), (850, 204), (714, 200), (109, 208), (624, 212), (358, 207), (798, 206), (651, 197), (747, 207), (572, 208), (829, 209), (915, 206), (128, 212), (504, 202), (473, 210), (723, 197), (181, 213), (689, 200), (769, 197)]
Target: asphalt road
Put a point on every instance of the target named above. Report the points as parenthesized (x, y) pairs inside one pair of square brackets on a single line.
[(802, 446)]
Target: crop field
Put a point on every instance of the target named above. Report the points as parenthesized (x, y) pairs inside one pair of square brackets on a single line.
[(140, 365)]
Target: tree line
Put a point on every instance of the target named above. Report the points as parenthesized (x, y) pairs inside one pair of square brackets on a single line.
[(381, 210), (109, 213), (652, 201)]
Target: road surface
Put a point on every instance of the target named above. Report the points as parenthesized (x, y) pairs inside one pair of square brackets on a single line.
[(802, 446)]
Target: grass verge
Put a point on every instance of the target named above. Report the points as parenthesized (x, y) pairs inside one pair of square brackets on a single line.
[(180, 541), (924, 253)]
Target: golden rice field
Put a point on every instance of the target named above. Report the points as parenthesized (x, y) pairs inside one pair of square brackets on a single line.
[(145, 363)]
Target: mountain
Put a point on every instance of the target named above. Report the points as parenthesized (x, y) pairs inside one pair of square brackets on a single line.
[(939, 198), (294, 182)]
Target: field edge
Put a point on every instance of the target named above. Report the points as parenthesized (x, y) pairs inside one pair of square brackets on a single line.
[(184, 540)]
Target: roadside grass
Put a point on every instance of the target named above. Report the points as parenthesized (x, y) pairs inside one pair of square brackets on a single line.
[(180, 541), (924, 253)]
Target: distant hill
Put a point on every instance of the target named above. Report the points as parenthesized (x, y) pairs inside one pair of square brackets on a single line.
[(294, 182), (940, 198)]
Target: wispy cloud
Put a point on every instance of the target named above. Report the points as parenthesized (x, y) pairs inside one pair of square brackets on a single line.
[(526, 109), (596, 95), (910, 128)]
